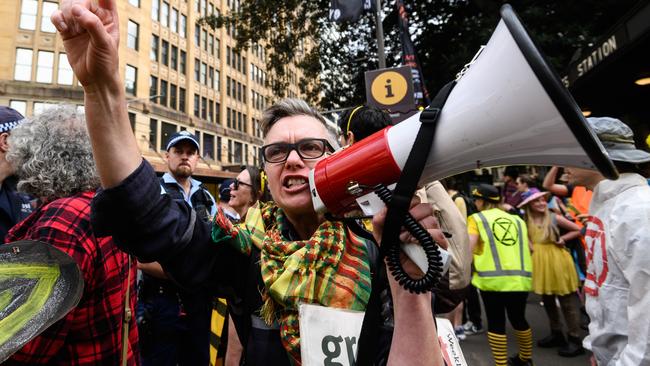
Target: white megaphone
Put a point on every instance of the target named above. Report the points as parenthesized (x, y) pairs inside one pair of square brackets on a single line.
[(507, 108)]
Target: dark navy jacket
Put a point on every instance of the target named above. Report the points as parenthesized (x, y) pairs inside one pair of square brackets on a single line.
[(19, 207)]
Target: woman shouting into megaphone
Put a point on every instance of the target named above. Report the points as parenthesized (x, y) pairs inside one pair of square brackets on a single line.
[(303, 258)]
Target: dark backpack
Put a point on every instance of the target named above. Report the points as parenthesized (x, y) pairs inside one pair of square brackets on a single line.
[(469, 203)]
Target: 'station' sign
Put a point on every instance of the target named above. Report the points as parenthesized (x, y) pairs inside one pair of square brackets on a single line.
[(330, 337)]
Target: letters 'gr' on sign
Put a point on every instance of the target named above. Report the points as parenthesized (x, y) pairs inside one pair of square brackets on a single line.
[(328, 336), (390, 89)]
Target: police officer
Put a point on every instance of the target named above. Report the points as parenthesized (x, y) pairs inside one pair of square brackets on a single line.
[(175, 324), (14, 206), (503, 273)]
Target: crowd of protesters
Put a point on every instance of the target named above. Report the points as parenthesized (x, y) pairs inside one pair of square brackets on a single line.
[(79, 183)]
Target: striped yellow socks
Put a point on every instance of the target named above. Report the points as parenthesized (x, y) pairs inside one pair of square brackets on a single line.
[(525, 342), (499, 346)]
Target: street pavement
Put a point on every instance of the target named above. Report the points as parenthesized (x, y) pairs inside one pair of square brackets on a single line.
[(477, 351)]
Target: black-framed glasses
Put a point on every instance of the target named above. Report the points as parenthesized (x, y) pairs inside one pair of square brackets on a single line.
[(237, 182), (306, 149)]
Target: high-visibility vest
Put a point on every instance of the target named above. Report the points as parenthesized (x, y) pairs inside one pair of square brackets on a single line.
[(505, 264)]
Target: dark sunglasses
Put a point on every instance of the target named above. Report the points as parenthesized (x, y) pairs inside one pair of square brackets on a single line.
[(237, 182), (306, 149)]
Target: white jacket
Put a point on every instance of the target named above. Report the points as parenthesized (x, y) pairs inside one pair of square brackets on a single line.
[(618, 272)]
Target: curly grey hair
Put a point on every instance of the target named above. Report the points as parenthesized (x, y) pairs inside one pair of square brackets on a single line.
[(52, 155), (290, 107)]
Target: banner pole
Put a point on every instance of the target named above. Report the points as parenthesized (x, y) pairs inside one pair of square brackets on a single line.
[(380, 36)]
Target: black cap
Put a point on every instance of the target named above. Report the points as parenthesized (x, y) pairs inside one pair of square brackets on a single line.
[(224, 190), (9, 118), (182, 136), (487, 192)]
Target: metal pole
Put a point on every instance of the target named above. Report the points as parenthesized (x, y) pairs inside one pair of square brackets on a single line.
[(380, 37)]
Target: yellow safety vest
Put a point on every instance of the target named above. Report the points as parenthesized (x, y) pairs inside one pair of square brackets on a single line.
[(505, 264)]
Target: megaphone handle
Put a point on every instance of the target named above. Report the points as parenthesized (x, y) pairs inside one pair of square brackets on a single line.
[(434, 268)]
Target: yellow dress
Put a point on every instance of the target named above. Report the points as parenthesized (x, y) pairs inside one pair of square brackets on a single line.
[(553, 270)]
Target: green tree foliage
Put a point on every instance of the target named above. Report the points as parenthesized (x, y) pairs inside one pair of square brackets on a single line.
[(446, 34)]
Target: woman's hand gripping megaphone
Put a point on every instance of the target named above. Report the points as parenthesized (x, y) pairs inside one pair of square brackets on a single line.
[(414, 261)]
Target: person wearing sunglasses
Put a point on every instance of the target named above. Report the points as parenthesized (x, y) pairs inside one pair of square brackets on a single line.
[(303, 258), (245, 190)]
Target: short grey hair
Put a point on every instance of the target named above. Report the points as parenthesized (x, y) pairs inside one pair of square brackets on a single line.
[(52, 155), (290, 107)]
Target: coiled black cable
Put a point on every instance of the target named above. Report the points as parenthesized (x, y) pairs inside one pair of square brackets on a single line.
[(434, 259)]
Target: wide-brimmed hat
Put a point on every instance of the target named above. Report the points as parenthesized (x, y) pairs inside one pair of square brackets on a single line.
[(487, 192), (618, 140), (531, 195)]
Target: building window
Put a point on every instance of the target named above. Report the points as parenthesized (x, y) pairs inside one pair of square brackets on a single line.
[(218, 148), (174, 21), (172, 96), (228, 123), (130, 79), (155, 10), (182, 63), (217, 46), (211, 44), (40, 107), (181, 99), (182, 30), (133, 29), (23, 70), (208, 146), (48, 9), (173, 63), (204, 108), (228, 55), (153, 133), (164, 14), (45, 67), (229, 150), (217, 80), (237, 154), (164, 53), (211, 77), (217, 116), (197, 70), (28, 13), (135, 3), (65, 74), (166, 130), (163, 92), (197, 107), (210, 111), (153, 53), (197, 35), (204, 39), (132, 121), (19, 105), (153, 87), (204, 72)]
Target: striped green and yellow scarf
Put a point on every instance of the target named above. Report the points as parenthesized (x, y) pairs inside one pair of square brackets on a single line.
[(329, 269)]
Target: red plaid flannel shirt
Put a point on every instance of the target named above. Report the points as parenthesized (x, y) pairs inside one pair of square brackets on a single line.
[(91, 334)]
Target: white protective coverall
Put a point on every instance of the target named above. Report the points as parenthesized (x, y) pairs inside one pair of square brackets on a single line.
[(618, 272)]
